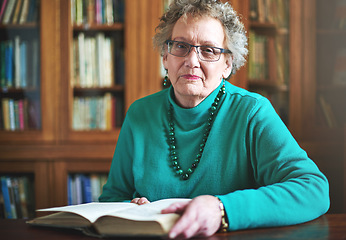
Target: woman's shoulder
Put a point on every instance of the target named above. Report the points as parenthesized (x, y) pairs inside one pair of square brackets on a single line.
[(241, 94), (152, 101)]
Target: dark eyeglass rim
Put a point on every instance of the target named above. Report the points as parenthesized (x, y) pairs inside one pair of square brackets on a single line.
[(221, 49)]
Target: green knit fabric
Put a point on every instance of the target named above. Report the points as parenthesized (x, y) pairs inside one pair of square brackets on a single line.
[(250, 160)]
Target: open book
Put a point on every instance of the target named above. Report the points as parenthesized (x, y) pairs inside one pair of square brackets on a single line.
[(112, 219)]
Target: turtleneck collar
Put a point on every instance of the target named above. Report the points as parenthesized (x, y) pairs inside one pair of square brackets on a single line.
[(196, 115)]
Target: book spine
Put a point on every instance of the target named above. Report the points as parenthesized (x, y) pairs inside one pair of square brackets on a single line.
[(22, 184), (17, 66), (32, 14), (8, 11), (95, 187), (16, 197), (86, 189), (16, 114), (2, 64), (11, 114), (6, 196), (79, 12), (5, 113), (16, 11), (9, 64), (12, 201), (2, 9), (23, 65), (24, 13), (21, 114), (69, 190)]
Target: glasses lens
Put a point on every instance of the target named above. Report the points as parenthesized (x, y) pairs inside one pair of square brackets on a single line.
[(179, 49), (209, 53)]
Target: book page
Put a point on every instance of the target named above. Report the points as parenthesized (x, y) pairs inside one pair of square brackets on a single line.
[(92, 211), (147, 212)]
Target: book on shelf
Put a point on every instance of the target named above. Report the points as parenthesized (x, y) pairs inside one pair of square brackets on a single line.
[(19, 63), (84, 188), (113, 219), (328, 113), (18, 11), (8, 12), (98, 112), (20, 114), (97, 11), (340, 14), (339, 75), (270, 11), (93, 64), (17, 197), (258, 60)]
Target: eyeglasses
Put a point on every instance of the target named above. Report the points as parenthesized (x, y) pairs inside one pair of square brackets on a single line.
[(204, 53)]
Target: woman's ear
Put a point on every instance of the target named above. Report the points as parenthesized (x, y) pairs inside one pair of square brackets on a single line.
[(228, 68), (164, 60)]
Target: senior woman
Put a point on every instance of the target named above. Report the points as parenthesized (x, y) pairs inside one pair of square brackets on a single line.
[(205, 139)]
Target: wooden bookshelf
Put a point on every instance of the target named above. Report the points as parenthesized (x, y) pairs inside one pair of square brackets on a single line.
[(269, 44), (55, 150), (323, 124)]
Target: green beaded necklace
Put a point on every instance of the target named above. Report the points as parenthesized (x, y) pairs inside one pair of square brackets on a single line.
[(173, 156)]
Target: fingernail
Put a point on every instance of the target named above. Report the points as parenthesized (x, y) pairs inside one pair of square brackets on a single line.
[(172, 235)]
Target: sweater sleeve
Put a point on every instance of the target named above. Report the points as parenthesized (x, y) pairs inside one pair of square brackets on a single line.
[(291, 188), (120, 184)]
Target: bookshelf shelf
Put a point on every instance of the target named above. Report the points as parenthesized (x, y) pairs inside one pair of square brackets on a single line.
[(269, 85), (99, 27), (19, 26)]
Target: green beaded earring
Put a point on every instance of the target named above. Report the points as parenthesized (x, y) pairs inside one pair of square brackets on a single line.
[(166, 80)]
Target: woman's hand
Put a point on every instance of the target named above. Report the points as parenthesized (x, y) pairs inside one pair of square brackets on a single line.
[(140, 201), (200, 217)]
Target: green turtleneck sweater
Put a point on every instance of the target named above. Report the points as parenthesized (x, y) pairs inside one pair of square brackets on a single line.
[(250, 160)]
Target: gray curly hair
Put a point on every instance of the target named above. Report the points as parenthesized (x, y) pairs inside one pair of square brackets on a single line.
[(236, 39)]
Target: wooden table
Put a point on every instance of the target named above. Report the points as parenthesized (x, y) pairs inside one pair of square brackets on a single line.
[(329, 226)]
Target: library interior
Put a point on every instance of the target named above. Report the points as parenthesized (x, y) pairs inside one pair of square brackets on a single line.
[(70, 69)]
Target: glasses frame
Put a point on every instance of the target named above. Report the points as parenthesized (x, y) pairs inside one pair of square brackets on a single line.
[(222, 50)]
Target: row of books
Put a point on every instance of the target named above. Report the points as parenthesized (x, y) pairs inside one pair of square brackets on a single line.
[(17, 197), (85, 188), (258, 60), (19, 114), (97, 113), (95, 61), (339, 76), (18, 11), (19, 63), (271, 11), (280, 102), (330, 119), (97, 11), (268, 58), (340, 14)]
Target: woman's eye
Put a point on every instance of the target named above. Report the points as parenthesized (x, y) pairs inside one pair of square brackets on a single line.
[(208, 50), (181, 46)]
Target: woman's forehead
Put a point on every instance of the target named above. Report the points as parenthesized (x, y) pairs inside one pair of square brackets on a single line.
[(203, 29)]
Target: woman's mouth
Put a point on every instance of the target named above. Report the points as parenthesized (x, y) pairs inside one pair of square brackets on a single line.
[(191, 77)]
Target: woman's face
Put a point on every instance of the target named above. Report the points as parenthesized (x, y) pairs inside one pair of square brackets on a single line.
[(194, 79)]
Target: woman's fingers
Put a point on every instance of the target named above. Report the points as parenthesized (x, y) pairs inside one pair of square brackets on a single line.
[(140, 201)]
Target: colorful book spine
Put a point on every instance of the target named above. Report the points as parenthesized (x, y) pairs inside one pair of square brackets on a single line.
[(18, 197), (85, 188), (6, 196), (97, 11)]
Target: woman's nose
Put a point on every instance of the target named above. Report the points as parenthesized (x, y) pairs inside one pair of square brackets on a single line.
[(192, 59)]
